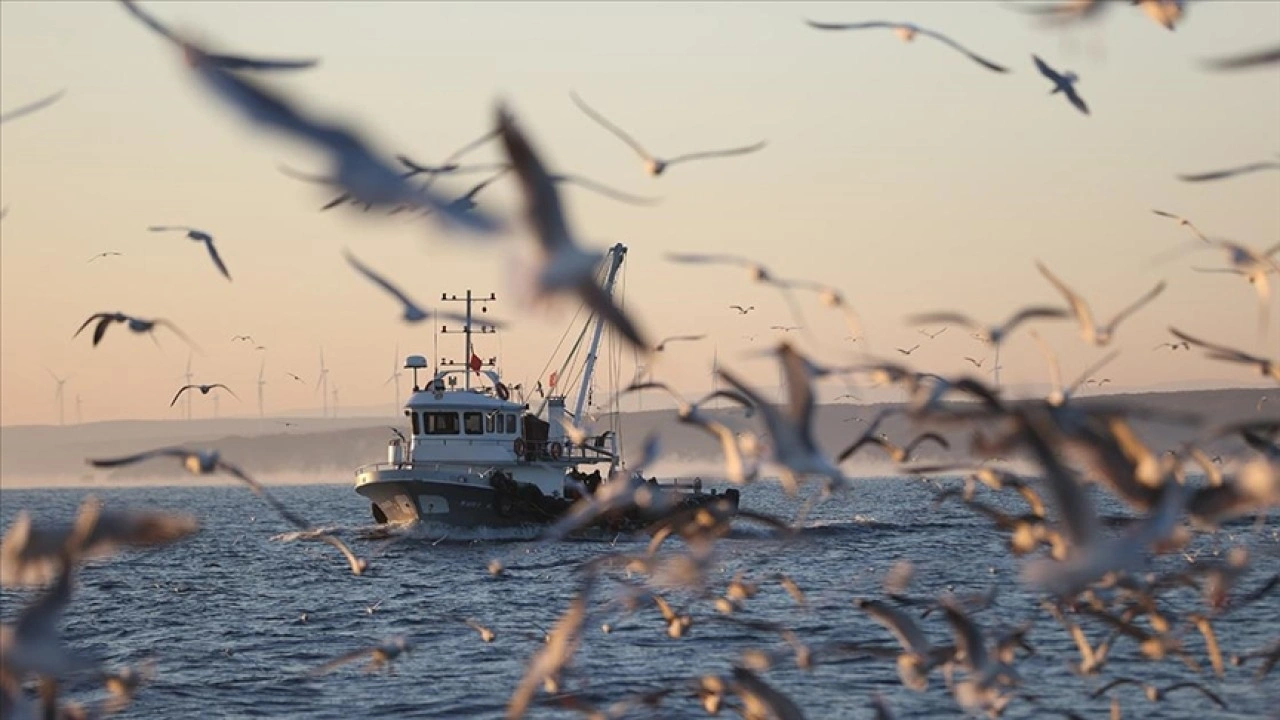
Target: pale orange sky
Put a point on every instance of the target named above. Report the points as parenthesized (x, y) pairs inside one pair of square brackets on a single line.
[(903, 174)]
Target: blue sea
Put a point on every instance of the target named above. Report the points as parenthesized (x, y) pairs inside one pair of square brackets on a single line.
[(235, 616)]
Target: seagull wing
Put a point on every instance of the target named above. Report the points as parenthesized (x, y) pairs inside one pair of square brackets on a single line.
[(224, 387), (1078, 305), (968, 53), (728, 152), (1047, 71), (542, 202), (606, 190), (176, 331), (342, 660), (714, 259), (898, 623), (849, 26), (1031, 313), (1220, 174), (178, 394), (217, 260), (344, 197), (942, 317), (131, 459), (1075, 99), (617, 131), (471, 146), (1247, 60), (382, 282), (1137, 304), (238, 62), (168, 228), (93, 317), (33, 107), (603, 305)]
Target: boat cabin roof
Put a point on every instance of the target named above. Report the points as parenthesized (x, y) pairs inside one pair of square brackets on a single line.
[(459, 400)]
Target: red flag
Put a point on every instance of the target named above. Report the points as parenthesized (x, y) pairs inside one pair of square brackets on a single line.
[(476, 363), (551, 381)]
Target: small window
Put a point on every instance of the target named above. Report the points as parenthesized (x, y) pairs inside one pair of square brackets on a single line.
[(511, 424), (488, 423), (473, 423), (417, 428), (440, 423)]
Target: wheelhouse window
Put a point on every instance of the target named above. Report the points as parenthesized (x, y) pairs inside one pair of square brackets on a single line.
[(511, 424), (440, 423), (473, 423), (413, 418), (488, 423)]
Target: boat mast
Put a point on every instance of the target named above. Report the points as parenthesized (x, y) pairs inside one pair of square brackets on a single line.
[(466, 331), (616, 255)]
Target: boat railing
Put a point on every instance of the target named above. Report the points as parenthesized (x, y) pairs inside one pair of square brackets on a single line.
[(519, 450)]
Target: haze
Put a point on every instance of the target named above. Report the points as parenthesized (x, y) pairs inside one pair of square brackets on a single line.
[(903, 174)]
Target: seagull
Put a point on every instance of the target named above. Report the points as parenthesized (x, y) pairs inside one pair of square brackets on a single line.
[(564, 267), (1231, 172), (1254, 59), (562, 643), (246, 338), (1089, 330), (1064, 83), (413, 313), (930, 335), (1184, 223), (204, 390), (755, 271), (652, 165), (919, 657), (742, 310), (205, 462), (227, 62), (897, 454), (1254, 266), (994, 334), (676, 338), (908, 32), (379, 655), (912, 349), (1175, 346), (138, 325), (33, 107), (793, 445), (295, 377), (785, 328), (105, 254), (737, 469), (198, 236), (976, 363), (486, 634), (355, 167), (1268, 368)]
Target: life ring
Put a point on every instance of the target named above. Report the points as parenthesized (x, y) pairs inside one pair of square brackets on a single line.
[(503, 393), (556, 450), (519, 447)]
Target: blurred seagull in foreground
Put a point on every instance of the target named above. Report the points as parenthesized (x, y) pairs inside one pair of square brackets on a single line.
[(1062, 82), (653, 165), (1093, 333), (205, 462), (1184, 223), (1268, 368), (204, 390), (565, 267), (138, 325), (355, 167), (908, 32), (198, 236), (379, 655), (413, 313), (33, 107)]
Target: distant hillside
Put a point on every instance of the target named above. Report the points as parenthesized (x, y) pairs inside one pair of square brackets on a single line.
[(313, 450)]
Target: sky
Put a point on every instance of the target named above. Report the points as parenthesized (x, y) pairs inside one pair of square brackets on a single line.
[(903, 174)]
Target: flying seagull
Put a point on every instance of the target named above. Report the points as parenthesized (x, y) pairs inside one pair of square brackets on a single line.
[(33, 107), (653, 165), (197, 236), (908, 32), (564, 267), (1184, 223), (413, 313), (742, 310), (204, 390), (138, 325), (229, 62), (355, 167), (1062, 82), (105, 254), (1093, 333)]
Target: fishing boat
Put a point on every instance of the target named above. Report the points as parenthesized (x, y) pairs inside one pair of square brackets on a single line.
[(478, 454)]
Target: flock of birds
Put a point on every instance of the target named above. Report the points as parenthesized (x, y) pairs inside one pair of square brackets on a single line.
[(1086, 575)]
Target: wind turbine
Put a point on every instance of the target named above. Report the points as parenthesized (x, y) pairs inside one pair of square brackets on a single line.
[(187, 378), (395, 376), (79, 417), (57, 394), (261, 382), (335, 401), (323, 382)]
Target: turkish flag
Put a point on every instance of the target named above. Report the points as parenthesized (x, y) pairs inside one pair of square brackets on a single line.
[(476, 363), (551, 381)]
